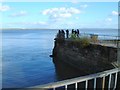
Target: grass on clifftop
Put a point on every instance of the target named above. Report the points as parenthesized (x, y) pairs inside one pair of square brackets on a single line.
[(82, 41)]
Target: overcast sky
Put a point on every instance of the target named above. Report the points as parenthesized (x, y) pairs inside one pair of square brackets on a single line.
[(59, 14)]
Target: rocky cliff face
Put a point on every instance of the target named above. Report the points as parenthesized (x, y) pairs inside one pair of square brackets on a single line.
[(90, 59)]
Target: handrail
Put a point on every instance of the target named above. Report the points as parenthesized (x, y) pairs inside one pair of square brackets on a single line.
[(79, 79), (99, 34)]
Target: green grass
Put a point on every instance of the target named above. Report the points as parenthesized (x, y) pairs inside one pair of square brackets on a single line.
[(80, 41)]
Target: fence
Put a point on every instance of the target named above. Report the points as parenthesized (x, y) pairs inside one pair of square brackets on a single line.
[(108, 40), (65, 83)]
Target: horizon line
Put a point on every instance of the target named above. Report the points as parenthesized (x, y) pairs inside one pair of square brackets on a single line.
[(55, 28)]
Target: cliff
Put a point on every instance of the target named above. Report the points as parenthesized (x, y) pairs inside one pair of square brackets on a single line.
[(89, 59)]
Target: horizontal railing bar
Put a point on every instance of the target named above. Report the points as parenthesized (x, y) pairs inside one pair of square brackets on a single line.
[(79, 79), (98, 34)]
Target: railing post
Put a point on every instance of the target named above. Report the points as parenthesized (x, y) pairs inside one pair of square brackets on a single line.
[(65, 87), (116, 41), (109, 82), (118, 54), (94, 83), (76, 86), (103, 83), (86, 84), (54, 88), (115, 81)]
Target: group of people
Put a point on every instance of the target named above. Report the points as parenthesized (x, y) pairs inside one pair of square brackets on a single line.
[(61, 33), (76, 32)]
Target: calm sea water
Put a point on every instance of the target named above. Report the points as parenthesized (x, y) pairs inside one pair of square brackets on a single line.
[(26, 60)]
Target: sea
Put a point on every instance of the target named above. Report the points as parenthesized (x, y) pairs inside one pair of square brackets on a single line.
[(26, 61)]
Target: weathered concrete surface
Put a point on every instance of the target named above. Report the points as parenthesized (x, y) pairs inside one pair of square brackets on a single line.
[(91, 59)]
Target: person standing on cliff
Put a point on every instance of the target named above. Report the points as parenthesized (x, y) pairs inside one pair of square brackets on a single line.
[(63, 34), (75, 32), (72, 31), (78, 33), (67, 33), (59, 32)]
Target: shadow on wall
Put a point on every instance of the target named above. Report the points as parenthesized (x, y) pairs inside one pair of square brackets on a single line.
[(65, 71)]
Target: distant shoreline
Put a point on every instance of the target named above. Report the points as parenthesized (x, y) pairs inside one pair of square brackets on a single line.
[(50, 28), (26, 29)]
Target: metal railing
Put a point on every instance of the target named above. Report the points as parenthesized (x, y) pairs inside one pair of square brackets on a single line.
[(86, 79), (108, 40), (101, 36)]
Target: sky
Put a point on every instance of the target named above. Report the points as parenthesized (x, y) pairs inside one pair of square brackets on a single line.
[(56, 15)]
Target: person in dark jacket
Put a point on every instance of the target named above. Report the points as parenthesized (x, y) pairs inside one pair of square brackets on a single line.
[(63, 34), (72, 31), (78, 33), (67, 33)]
